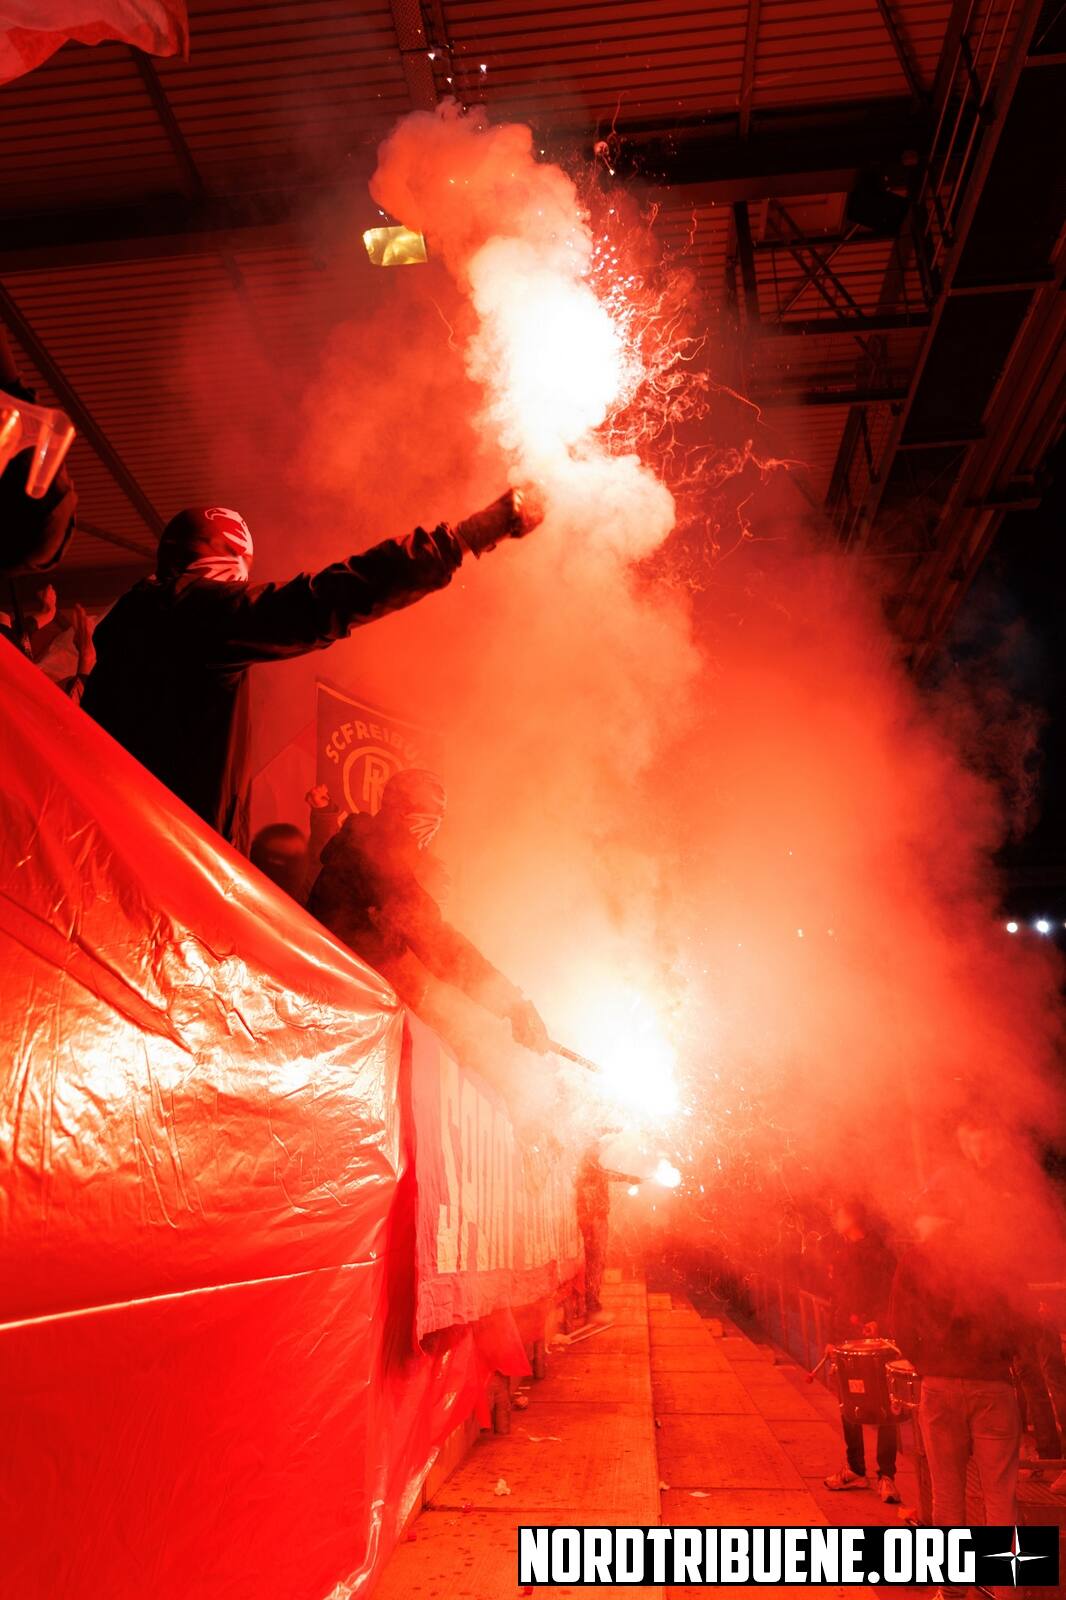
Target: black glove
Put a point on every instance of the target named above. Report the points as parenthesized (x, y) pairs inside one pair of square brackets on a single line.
[(512, 516), (527, 1027)]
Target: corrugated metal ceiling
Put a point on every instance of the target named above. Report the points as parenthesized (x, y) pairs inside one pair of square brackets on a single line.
[(275, 94), (652, 62), (273, 90)]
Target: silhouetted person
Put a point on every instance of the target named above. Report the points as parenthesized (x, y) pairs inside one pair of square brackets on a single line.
[(172, 656), (280, 852), (593, 1195), (860, 1286), (951, 1319), (288, 856), (368, 893), (998, 1175)]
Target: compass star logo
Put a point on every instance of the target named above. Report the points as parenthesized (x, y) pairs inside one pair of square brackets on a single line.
[(1014, 1555)]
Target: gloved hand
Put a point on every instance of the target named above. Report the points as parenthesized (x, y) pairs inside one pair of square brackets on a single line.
[(83, 640), (527, 1027), (512, 516), (43, 610), (318, 797)]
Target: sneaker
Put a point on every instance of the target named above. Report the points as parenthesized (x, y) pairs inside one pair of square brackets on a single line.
[(846, 1479), (886, 1488)]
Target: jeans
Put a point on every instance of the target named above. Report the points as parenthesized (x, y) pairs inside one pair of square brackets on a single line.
[(594, 1235), (962, 1419), (887, 1446)]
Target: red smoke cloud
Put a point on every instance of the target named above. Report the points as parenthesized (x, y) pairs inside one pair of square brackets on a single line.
[(717, 835)]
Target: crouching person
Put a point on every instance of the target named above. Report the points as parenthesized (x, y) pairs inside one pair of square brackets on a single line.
[(369, 895)]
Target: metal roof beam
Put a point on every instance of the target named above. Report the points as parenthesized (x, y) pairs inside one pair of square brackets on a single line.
[(818, 270), (1005, 86), (873, 322), (784, 158), (824, 241), (999, 472), (840, 498), (78, 411), (783, 395), (119, 540), (696, 167), (746, 258), (899, 45), (414, 46), (193, 183), (747, 71), (153, 229)]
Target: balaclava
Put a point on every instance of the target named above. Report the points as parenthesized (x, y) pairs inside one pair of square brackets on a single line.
[(211, 545), (419, 798)]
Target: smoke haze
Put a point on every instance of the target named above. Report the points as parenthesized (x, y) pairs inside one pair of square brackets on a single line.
[(713, 830)]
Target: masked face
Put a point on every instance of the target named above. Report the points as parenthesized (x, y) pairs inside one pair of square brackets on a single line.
[(206, 546), (229, 559), (414, 801), (423, 826)]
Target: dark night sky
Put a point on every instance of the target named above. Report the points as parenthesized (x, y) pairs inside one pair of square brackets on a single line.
[(1013, 617)]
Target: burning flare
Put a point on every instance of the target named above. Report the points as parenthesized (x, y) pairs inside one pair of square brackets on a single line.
[(624, 1034), (555, 355), (666, 1174)]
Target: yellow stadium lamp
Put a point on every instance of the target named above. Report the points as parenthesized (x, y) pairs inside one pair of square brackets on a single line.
[(395, 247)]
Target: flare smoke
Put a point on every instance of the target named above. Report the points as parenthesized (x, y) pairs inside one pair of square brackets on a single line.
[(716, 834)]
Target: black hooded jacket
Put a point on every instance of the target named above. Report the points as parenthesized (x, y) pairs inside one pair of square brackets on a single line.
[(960, 1298), (950, 1315), (367, 894), (861, 1283), (170, 682)]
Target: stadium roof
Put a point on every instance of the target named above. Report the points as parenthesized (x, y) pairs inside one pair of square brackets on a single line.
[(870, 193)]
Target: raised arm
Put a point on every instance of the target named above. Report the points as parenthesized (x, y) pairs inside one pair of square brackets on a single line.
[(452, 958), (314, 610)]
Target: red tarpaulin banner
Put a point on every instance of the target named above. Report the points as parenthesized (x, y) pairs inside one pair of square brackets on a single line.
[(497, 1222), (33, 30), (209, 1380)]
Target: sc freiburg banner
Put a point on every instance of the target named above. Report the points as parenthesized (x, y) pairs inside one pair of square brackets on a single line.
[(359, 747)]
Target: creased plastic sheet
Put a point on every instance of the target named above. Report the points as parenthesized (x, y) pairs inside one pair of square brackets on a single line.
[(208, 1382)]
